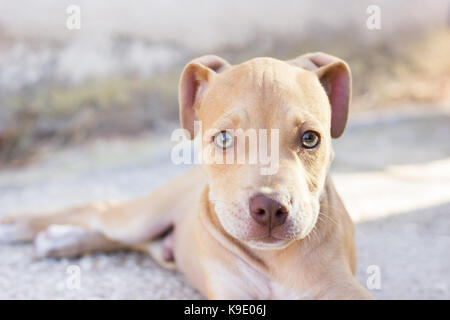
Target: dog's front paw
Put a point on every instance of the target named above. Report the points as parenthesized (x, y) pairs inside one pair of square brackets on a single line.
[(60, 241), (15, 229)]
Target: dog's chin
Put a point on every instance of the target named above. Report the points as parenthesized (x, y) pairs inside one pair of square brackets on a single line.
[(268, 243)]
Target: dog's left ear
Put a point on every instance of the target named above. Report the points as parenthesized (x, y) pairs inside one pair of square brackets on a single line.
[(335, 76), (193, 84)]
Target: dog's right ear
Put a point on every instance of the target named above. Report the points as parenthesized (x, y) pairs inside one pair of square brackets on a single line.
[(193, 85), (335, 76)]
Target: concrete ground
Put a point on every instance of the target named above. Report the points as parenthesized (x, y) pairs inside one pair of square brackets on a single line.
[(392, 171)]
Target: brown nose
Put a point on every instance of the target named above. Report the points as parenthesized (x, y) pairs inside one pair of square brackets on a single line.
[(267, 211)]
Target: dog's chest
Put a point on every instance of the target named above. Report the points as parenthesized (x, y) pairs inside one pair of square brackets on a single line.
[(242, 281)]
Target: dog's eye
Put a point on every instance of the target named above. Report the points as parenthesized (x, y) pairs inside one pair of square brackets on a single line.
[(223, 140), (310, 139)]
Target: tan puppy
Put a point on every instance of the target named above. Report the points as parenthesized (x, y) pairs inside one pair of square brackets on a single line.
[(234, 232)]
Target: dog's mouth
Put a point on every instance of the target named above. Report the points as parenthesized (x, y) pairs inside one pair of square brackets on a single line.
[(268, 243), (268, 237)]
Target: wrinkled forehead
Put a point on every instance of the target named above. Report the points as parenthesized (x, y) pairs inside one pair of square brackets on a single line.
[(264, 92)]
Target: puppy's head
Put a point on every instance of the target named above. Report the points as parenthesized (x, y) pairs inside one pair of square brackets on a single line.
[(266, 129)]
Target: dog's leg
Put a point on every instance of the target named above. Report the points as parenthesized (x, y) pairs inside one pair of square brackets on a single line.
[(25, 227), (144, 224), (94, 227), (71, 241)]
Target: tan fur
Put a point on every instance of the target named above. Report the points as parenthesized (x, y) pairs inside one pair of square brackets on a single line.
[(216, 244)]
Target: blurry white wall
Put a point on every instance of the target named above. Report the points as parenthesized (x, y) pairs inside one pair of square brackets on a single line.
[(147, 37), (204, 25)]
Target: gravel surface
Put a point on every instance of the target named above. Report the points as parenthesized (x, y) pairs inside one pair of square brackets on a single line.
[(393, 174)]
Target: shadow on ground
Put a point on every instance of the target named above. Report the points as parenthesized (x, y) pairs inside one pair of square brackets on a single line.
[(412, 251), (393, 140)]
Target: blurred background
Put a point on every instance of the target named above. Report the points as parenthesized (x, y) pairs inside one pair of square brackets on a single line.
[(86, 114)]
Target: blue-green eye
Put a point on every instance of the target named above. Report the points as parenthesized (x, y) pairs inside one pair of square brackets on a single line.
[(223, 140), (310, 139)]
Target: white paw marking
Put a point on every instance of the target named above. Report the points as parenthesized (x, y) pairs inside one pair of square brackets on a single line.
[(59, 239)]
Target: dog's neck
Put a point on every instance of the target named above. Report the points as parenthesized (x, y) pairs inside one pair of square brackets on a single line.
[(327, 222)]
